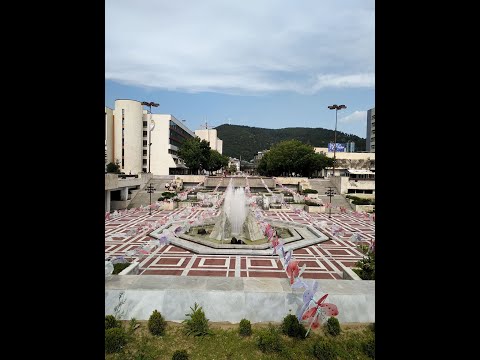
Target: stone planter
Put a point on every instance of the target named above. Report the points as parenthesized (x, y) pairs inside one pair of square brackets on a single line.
[(132, 269), (314, 209), (366, 208), (311, 196), (170, 205)]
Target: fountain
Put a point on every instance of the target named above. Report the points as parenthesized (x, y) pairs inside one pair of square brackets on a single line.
[(235, 219)]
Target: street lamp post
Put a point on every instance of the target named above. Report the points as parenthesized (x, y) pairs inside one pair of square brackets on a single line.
[(150, 190), (336, 107), (152, 126), (330, 192)]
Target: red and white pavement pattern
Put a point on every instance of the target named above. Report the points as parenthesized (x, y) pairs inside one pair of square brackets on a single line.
[(322, 259)]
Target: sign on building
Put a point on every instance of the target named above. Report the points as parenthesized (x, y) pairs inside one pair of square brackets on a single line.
[(340, 147)]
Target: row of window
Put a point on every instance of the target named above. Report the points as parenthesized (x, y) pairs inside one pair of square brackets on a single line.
[(173, 152)]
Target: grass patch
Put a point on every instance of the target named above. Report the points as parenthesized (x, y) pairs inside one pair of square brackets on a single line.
[(226, 343), (119, 267)]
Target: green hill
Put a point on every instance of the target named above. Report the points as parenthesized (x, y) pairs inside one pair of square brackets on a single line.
[(246, 141)]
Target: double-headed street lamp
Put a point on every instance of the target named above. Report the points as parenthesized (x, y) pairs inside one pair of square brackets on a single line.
[(152, 126), (330, 192), (336, 108), (150, 190)]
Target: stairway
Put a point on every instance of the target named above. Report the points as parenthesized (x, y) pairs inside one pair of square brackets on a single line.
[(321, 185), (142, 197)]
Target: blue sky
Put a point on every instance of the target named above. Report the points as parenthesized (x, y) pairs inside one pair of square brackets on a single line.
[(263, 63)]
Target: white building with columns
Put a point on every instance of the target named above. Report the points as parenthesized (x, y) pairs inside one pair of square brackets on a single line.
[(128, 135)]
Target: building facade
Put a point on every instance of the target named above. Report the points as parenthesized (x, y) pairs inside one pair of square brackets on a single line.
[(210, 135), (108, 136), (132, 132), (371, 130)]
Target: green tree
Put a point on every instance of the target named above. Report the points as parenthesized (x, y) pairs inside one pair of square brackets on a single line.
[(113, 167), (232, 169), (292, 156), (195, 153), (216, 161)]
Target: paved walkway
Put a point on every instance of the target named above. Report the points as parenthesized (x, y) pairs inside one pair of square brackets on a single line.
[(322, 260)]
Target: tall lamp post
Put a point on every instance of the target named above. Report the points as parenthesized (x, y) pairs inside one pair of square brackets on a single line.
[(330, 192), (152, 126), (150, 190), (336, 108)]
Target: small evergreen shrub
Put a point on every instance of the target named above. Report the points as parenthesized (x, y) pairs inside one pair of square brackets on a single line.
[(119, 267), (115, 339), (310, 191), (324, 350), (269, 340), (292, 327), (369, 348), (333, 326), (311, 203), (197, 325), (245, 328), (157, 324), (180, 355), (111, 322)]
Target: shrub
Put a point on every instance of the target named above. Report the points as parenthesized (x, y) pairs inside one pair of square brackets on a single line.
[(269, 340), (372, 327), (180, 355), (197, 325), (245, 328), (111, 322), (333, 326), (119, 267), (311, 203), (324, 350), (157, 324), (310, 191), (292, 327), (132, 325), (115, 339), (360, 201), (366, 267), (369, 348)]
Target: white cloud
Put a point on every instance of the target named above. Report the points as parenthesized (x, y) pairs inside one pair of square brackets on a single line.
[(355, 117), (241, 46)]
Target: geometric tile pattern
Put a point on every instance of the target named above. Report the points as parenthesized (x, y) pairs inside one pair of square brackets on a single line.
[(322, 260)]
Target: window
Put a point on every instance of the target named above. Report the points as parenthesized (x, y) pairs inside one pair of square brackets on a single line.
[(144, 170), (123, 122), (144, 133), (123, 152), (123, 112), (123, 141), (123, 163), (144, 152), (144, 124), (144, 161)]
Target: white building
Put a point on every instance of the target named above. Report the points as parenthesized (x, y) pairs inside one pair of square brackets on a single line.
[(131, 136), (108, 135), (210, 135), (371, 130)]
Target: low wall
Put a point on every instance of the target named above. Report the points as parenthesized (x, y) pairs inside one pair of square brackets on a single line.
[(291, 180), (118, 204), (367, 208), (132, 269), (232, 299), (191, 178)]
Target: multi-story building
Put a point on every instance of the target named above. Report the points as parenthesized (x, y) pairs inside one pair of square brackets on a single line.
[(132, 132), (210, 135), (108, 136), (371, 130)]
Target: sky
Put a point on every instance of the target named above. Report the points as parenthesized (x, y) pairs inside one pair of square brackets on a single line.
[(264, 63)]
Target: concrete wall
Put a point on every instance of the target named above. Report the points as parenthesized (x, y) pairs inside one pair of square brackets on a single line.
[(291, 180), (340, 183), (118, 204), (191, 178), (361, 208), (361, 184), (346, 155), (112, 181), (232, 299)]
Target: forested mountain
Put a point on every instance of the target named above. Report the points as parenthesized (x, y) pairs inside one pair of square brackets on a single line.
[(246, 141)]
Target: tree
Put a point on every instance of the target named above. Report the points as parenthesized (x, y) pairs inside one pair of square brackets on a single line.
[(232, 169), (292, 156), (113, 167), (195, 153), (216, 161)]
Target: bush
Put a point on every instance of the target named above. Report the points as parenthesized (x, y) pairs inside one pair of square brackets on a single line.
[(360, 201), (324, 350), (197, 325), (310, 191), (111, 322), (180, 355), (292, 327), (311, 203), (333, 326), (115, 339), (157, 324), (269, 340), (366, 267), (119, 267), (245, 328), (369, 348), (372, 327)]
